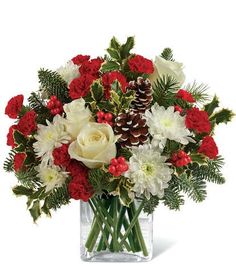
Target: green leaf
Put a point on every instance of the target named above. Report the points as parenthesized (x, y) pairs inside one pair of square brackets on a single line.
[(110, 66), (35, 210), (20, 148), (199, 158), (223, 116), (115, 97), (20, 190), (210, 107), (114, 44), (97, 91), (114, 53), (19, 138), (125, 48), (124, 152), (167, 54), (30, 159), (124, 196)]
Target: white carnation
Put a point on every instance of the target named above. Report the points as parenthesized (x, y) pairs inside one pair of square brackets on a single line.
[(148, 171), (167, 124), (51, 176), (69, 71), (50, 136)]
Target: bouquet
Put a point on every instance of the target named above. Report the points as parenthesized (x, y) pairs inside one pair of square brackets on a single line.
[(119, 132)]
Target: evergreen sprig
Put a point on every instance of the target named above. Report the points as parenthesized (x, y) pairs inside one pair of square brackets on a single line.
[(164, 90), (151, 204), (53, 84), (173, 197), (198, 91), (167, 54), (28, 178), (9, 162)]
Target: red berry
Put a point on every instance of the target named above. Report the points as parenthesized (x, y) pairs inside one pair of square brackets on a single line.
[(117, 174), (181, 154), (108, 117), (174, 157), (100, 114), (121, 159), (114, 161), (100, 120), (53, 98), (178, 109), (125, 167), (112, 169), (50, 104), (58, 103), (119, 167), (57, 110), (53, 112)]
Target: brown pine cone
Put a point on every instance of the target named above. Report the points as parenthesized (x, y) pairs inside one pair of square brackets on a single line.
[(132, 128), (143, 94)]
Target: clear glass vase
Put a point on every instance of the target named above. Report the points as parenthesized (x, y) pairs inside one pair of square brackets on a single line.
[(111, 232)]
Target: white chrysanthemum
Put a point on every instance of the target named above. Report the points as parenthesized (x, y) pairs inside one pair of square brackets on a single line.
[(148, 171), (51, 176), (69, 71), (49, 137), (167, 124)]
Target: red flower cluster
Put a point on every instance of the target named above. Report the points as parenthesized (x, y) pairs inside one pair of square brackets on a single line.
[(79, 187), (91, 67), (180, 158), (197, 120), (118, 166), (75, 168), (79, 87), (14, 106), (55, 105), (61, 155), (79, 59), (27, 123), (109, 78), (19, 159), (185, 95), (10, 136), (208, 147), (140, 64)]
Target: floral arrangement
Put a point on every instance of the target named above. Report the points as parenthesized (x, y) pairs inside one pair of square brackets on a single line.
[(110, 130)]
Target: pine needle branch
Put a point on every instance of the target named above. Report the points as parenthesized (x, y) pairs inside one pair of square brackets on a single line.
[(9, 162), (58, 197), (167, 54), (198, 91)]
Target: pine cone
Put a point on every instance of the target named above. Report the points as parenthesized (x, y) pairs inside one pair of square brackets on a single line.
[(143, 94), (132, 128)]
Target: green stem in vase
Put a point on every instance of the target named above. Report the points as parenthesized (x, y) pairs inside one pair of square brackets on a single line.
[(93, 235), (99, 222), (130, 235), (134, 232), (139, 232)]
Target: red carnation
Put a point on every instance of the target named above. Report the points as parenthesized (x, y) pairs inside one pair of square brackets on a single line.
[(27, 123), (185, 95), (10, 136), (208, 147), (79, 87), (80, 188), (77, 169), (79, 59), (14, 106), (91, 67), (109, 78), (139, 64), (19, 159), (61, 155), (197, 120)]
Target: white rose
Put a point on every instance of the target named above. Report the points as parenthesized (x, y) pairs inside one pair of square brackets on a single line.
[(166, 67), (95, 145), (77, 115), (69, 71)]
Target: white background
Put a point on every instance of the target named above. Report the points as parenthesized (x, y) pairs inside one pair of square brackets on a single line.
[(200, 239)]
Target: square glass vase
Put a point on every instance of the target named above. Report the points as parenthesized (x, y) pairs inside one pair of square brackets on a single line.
[(112, 232)]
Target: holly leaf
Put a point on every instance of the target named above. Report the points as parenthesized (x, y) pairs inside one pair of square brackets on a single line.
[(97, 91), (127, 47), (35, 210), (210, 107), (19, 138), (223, 116), (114, 53), (110, 66), (20, 190), (114, 44)]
